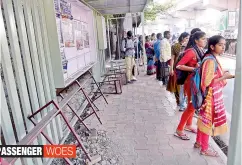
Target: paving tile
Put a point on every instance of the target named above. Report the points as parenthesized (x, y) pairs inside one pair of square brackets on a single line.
[(154, 150), (183, 159), (143, 119), (211, 161), (157, 162), (169, 160), (167, 152), (143, 161), (142, 153)]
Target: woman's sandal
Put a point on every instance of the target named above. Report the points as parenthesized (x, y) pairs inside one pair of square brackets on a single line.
[(197, 145), (192, 130), (181, 136), (209, 152)]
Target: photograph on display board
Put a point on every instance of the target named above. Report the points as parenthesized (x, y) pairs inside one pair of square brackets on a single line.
[(78, 36), (85, 35), (65, 7), (67, 31)]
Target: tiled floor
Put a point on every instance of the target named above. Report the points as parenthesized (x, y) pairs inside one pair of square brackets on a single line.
[(143, 119)]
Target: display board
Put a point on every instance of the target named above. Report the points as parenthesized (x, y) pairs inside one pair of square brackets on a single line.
[(76, 37)]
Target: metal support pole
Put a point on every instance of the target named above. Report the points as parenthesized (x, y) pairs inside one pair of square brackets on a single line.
[(118, 40), (137, 46), (109, 44), (143, 34), (234, 155)]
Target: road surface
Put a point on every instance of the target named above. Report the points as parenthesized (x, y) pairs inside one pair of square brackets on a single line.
[(228, 64)]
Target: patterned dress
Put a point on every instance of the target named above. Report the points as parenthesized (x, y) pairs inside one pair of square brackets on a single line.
[(150, 58), (172, 85), (212, 116)]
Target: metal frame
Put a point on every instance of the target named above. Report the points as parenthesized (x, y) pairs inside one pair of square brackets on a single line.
[(65, 100), (39, 129), (75, 114), (115, 81), (59, 112), (92, 105)]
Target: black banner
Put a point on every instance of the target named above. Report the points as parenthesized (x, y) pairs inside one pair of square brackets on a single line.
[(21, 151)]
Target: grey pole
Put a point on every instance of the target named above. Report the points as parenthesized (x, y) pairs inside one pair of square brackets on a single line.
[(109, 45), (137, 38), (118, 39), (234, 155), (143, 34)]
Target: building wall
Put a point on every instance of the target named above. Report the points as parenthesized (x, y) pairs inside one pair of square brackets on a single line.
[(26, 72)]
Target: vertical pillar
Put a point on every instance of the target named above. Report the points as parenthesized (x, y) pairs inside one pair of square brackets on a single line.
[(109, 45), (137, 39), (234, 155), (143, 34), (118, 38)]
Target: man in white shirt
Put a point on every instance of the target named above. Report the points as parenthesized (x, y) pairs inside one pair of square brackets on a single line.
[(165, 56)]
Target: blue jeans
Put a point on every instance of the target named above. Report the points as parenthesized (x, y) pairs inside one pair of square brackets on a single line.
[(183, 99)]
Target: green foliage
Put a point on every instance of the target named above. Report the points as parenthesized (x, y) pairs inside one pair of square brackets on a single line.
[(154, 9)]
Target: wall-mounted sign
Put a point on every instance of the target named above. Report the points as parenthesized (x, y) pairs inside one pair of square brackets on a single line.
[(65, 7), (75, 31)]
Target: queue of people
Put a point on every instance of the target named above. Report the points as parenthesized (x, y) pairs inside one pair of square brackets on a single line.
[(176, 66)]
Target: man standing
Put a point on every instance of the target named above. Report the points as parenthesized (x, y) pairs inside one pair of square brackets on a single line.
[(128, 47), (165, 56), (157, 49)]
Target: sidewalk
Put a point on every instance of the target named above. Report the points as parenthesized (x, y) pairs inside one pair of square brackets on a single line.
[(142, 120)]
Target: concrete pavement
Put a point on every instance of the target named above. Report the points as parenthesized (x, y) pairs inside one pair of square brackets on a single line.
[(143, 120)]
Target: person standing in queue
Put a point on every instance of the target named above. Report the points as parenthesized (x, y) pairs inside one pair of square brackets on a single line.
[(189, 62), (157, 50), (128, 47), (165, 57), (212, 119), (150, 56), (172, 86)]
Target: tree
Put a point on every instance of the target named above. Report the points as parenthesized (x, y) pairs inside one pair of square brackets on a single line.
[(155, 9)]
